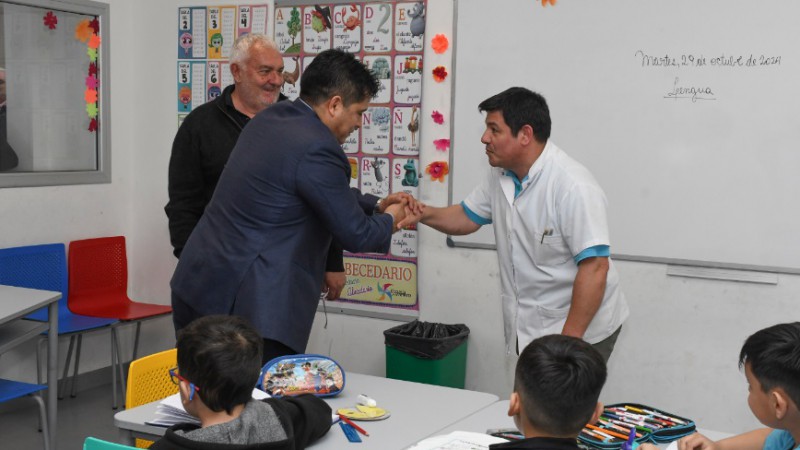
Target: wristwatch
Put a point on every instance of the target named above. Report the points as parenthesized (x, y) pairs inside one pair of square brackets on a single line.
[(378, 205)]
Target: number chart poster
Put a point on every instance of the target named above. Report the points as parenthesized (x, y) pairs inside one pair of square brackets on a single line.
[(205, 39), (388, 37)]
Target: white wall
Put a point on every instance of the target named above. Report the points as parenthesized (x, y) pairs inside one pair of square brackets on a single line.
[(678, 350)]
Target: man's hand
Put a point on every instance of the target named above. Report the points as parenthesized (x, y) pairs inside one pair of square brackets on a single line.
[(398, 212), (334, 283), (400, 197)]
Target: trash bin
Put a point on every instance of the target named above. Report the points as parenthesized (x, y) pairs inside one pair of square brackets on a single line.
[(432, 353)]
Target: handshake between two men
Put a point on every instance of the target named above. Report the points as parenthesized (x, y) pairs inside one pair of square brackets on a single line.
[(404, 208)]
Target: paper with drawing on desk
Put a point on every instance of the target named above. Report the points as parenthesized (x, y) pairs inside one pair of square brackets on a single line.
[(458, 440)]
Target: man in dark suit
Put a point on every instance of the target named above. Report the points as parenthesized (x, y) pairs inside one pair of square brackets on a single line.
[(259, 251)]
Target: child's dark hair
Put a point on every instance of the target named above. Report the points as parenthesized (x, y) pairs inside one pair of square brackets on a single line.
[(559, 379), (221, 355), (774, 357)]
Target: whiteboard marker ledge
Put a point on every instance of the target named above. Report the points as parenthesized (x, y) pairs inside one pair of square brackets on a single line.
[(713, 273)]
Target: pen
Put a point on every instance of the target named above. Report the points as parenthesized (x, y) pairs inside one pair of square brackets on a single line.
[(547, 232), (350, 422), (606, 431)]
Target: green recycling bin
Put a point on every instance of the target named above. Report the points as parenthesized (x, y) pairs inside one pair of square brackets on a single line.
[(424, 352)]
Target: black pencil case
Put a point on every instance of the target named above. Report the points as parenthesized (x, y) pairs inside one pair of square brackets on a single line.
[(652, 425)]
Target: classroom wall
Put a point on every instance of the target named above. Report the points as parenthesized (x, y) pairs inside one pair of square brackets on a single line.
[(678, 350)]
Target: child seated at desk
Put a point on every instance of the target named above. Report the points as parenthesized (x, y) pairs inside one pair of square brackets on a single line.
[(220, 359), (771, 361), (556, 386)]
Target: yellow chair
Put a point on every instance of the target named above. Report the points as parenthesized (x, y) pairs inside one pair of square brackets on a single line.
[(148, 381)]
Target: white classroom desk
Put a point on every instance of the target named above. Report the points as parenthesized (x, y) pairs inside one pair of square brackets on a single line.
[(417, 410), (496, 416), (16, 303)]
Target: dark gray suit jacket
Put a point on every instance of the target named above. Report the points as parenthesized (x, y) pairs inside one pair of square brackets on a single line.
[(259, 250)]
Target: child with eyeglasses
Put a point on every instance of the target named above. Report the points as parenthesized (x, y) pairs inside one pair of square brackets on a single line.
[(219, 360)]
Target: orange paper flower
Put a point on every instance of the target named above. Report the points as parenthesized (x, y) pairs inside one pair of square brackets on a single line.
[(439, 43), (439, 74), (83, 31), (545, 2), (94, 41), (437, 170), (90, 95)]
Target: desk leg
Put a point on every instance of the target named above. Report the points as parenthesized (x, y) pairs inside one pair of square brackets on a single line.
[(125, 437), (52, 374)]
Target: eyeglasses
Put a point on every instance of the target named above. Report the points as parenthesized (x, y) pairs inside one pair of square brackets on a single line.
[(177, 378)]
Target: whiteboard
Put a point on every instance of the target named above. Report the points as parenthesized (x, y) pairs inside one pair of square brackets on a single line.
[(686, 112)]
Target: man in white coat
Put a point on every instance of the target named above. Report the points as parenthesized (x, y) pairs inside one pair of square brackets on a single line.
[(550, 225)]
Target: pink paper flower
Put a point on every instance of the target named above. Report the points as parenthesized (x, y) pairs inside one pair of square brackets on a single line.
[(50, 20), (438, 118), (437, 170), (91, 82), (442, 145)]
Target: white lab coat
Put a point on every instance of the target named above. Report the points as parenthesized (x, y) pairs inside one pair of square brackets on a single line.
[(560, 212)]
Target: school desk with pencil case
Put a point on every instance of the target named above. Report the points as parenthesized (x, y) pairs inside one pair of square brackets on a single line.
[(302, 374), (651, 425)]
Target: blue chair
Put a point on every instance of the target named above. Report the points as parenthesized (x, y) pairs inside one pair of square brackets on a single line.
[(45, 267), (10, 390)]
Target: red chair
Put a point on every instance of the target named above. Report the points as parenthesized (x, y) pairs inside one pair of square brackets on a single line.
[(98, 287)]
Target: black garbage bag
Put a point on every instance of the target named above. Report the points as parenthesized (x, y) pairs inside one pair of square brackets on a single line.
[(426, 340)]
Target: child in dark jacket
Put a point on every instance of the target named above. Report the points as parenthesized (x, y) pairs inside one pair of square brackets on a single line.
[(556, 386), (219, 360)]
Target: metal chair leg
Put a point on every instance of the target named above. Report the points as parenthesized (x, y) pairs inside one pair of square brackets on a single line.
[(136, 340), (62, 384), (113, 367), (121, 370), (74, 391), (43, 420)]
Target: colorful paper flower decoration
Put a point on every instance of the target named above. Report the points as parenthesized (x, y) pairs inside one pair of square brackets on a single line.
[(437, 117), (90, 95), (437, 170), (83, 31), (439, 74), (94, 41), (92, 53), (50, 20), (439, 43), (92, 69), (95, 25), (93, 125), (91, 82), (91, 110), (442, 145), (545, 2)]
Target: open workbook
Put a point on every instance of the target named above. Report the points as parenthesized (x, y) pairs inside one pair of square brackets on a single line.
[(171, 412)]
